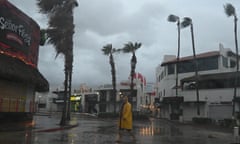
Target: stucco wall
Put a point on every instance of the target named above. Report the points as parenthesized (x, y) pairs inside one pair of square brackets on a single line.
[(16, 97)]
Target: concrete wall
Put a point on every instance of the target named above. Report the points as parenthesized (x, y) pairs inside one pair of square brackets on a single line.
[(190, 111), (220, 112), (210, 95)]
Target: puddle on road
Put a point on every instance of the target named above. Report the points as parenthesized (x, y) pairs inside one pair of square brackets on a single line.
[(159, 129), (150, 129), (106, 129)]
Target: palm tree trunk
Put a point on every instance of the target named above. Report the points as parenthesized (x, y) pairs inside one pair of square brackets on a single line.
[(178, 54), (69, 95), (63, 119), (115, 95), (196, 71), (237, 63), (70, 68), (133, 66), (114, 88), (113, 81)]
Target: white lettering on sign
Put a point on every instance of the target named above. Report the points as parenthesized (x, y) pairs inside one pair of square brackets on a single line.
[(18, 29)]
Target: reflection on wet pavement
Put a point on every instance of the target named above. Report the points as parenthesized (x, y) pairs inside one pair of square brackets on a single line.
[(96, 131), (159, 130)]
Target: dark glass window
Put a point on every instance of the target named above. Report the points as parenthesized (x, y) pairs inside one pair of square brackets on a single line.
[(187, 66), (224, 61), (208, 63), (171, 69), (103, 96), (203, 64), (112, 96), (232, 63)]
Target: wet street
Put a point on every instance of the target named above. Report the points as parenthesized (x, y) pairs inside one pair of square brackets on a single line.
[(92, 130)]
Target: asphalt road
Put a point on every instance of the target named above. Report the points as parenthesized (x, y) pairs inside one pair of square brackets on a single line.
[(92, 130)]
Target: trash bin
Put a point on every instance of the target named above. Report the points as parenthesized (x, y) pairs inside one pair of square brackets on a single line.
[(236, 131)]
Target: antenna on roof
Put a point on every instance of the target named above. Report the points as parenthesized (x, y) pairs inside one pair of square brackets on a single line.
[(221, 46)]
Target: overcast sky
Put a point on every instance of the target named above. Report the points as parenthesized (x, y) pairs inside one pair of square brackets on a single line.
[(99, 22)]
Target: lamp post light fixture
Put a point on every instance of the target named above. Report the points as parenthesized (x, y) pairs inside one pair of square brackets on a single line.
[(174, 18), (230, 11)]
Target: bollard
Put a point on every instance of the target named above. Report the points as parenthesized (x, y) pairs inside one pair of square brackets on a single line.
[(236, 133), (181, 119)]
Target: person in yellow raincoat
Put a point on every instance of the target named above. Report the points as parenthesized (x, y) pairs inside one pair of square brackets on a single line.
[(125, 120)]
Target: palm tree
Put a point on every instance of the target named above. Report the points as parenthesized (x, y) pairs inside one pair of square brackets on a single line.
[(109, 50), (60, 33), (185, 23), (174, 18), (131, 48), (230, 11)]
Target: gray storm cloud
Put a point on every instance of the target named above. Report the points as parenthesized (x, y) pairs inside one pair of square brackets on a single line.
[(119, 21)]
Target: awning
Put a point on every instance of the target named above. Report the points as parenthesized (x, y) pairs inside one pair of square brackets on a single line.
[(215, 76), (13, 69), (173, 99), (190, 58), (58, 101)]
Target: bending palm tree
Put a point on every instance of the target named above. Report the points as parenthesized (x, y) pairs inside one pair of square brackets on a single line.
[(109, 50), (230, 11), (131, 48), (174, 18), (188, 22), (60, 34)]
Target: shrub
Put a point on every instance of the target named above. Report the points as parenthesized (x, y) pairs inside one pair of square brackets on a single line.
[(229, 122)]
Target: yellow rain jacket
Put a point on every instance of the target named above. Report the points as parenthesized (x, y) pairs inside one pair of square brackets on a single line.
[(125, 121)]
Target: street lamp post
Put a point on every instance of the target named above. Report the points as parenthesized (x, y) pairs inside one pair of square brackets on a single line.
[(188, 22), (230, 11), (174, 18)]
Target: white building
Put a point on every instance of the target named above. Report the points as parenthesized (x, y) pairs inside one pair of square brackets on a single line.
[(86, 102), (216, 70), (106, 101)]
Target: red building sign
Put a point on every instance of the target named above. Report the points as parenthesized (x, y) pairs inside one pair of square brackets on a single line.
[(19, 34)]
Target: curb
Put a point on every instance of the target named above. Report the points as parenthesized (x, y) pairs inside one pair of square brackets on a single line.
[(58, 128)]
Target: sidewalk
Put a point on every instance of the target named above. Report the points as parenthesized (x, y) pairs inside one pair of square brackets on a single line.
[(211, 127), (50, 122)]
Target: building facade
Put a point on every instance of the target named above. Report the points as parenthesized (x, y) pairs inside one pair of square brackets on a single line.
[(19, 75), (216, 82), (106, 96)]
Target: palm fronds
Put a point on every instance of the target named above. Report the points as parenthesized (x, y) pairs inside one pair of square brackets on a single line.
[(47, 6), (107, 49), (130, 47)]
